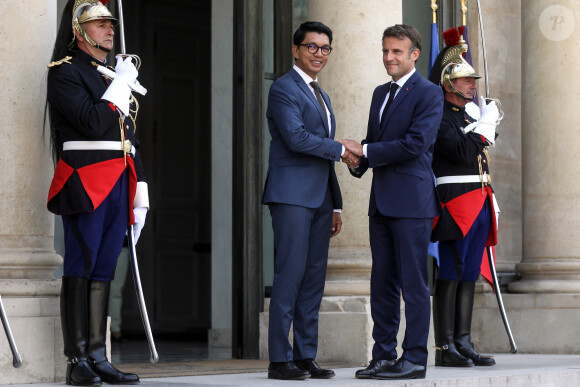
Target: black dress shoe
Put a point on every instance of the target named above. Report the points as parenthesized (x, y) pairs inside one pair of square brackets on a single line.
[(286, 370), (315, 371), (402, 369), (111, 375), (375, 366)]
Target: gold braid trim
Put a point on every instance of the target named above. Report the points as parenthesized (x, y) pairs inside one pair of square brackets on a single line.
[(133, 112), (481, 170), (486, 155), (59, 62), (122, 128)]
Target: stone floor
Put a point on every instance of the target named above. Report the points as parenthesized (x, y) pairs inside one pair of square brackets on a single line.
[(133, 351), (511, 370)]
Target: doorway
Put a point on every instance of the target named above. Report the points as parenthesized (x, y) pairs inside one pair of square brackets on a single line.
[(172, 39)]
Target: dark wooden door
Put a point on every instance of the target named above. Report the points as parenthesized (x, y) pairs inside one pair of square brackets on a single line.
[(173, 39)]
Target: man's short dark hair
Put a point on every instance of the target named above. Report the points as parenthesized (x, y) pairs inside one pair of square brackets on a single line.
[(400, 31), (309, 26)]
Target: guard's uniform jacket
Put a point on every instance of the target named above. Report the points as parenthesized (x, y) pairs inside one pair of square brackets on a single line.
[(83, 178), (460, 154)]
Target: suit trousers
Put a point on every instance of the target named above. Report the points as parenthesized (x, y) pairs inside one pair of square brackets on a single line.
[(301, 240), (399, 250)]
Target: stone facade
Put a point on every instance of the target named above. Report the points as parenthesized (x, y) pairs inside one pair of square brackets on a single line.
[(27, 258), (532, 48)]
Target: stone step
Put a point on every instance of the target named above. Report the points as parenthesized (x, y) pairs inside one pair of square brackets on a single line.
[(524, 370)]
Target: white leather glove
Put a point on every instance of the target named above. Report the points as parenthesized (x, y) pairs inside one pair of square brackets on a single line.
[(487, 122), (119, 91), (489, 112), (140, 213), (473, 110)]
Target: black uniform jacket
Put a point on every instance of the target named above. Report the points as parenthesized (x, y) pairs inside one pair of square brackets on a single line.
[(83, 178), (456, 153)]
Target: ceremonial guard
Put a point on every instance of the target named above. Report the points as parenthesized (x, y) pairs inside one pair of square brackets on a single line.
[(98, 185), (468, 220)]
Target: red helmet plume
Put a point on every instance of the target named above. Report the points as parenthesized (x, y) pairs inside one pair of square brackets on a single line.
[(451, 37)]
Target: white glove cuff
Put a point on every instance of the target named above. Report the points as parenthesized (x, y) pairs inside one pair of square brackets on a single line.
[(487, 131), (469, 127), (141, 196)]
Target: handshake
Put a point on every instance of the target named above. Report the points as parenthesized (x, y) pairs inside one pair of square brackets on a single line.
[(352, 154)]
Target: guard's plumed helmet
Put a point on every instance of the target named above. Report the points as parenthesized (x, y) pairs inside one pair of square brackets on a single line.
[(450, 63), (87, 10)]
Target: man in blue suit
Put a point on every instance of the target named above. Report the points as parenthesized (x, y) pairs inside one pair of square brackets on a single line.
[(404, 116), (304, 198)]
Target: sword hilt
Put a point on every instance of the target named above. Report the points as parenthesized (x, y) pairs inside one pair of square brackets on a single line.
[(136, 87)]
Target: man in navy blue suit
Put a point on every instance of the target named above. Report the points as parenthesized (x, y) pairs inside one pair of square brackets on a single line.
[(304, 198), (404, 116)]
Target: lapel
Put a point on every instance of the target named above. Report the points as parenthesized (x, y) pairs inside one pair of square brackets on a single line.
[(399, 99), (310, 95)]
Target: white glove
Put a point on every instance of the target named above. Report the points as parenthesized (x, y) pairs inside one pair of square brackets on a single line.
[(487, 122), (140, 213), (472, 110), (489, 112), (119, 91)]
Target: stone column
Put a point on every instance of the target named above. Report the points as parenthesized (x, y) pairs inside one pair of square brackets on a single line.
[(27, 257), (354, 69), (501, 21), (504, 54), (546, 299), (551, 167)]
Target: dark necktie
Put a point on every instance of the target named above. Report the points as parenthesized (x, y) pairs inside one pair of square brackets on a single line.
[(394, 87), (314, 85)]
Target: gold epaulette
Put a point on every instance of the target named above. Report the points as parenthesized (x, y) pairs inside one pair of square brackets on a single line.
[(59, 62)]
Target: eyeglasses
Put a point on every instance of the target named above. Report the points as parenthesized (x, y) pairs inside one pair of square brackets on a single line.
[(313, 49)]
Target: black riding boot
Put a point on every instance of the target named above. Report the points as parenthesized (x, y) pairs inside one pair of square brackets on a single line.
[(74, 319), (446, 354), (464, 306), (98, 305)]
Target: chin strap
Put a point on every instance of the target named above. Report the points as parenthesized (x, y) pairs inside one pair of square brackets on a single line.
[(93, 43), (455, 91)]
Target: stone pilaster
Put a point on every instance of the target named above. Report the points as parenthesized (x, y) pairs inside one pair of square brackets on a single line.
[(503, 36), (551, 189), (354, 69), (27, 257), (539, 119)]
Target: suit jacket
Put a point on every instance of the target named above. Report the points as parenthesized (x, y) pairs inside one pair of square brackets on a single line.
[(302, 154), (400, 150)]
